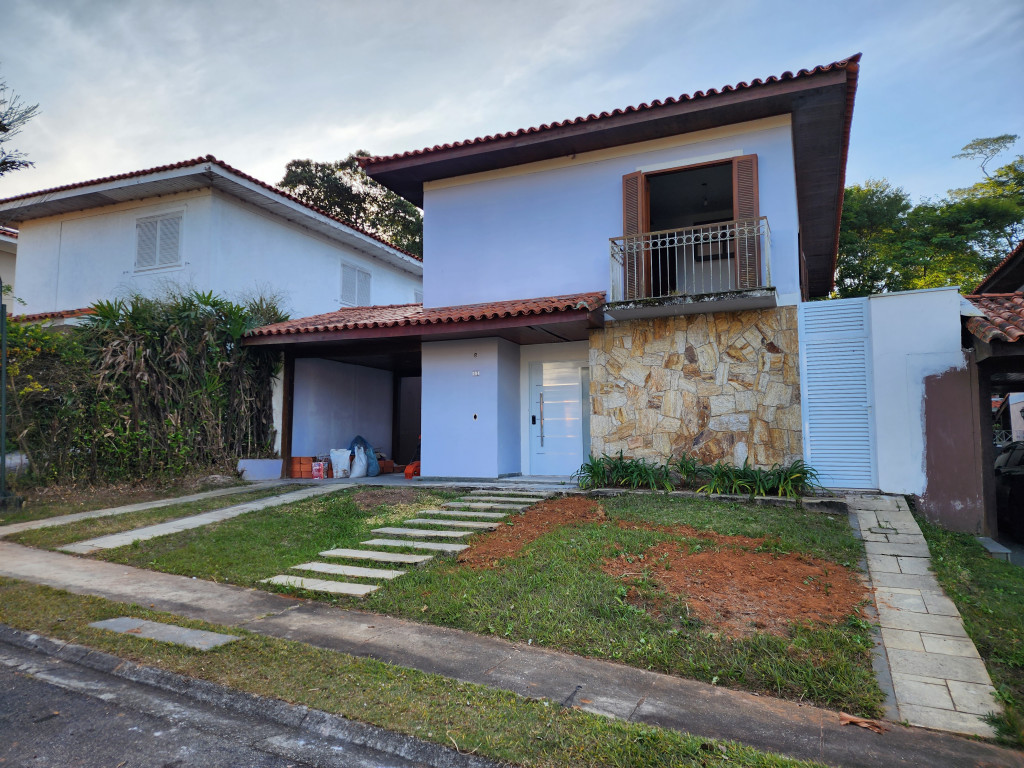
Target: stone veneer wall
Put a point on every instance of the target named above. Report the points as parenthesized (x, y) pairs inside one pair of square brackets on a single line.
[(720, 386)]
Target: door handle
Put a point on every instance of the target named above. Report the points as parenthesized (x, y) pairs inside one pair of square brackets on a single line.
[(534, 417), (541, 419)]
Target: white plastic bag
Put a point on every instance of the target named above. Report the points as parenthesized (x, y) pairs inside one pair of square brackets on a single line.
[(359, 462), (340, 458)]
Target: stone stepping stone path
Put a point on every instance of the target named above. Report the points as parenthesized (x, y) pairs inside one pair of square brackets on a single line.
[(323, 585), (938, 678), (165, 633), (350, 570), (379, 557), (444, 523)]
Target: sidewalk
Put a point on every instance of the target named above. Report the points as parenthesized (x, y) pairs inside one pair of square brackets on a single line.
[(609, 689)]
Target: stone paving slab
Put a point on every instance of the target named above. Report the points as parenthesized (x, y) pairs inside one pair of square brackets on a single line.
[(511, 494), (350, 570), (478, 524), (421, 532), (322, 585), (464, 513), (194, 521), (504, 499), (166, 633), (939, 680), (433, 546), (49, 522), (482, 505), (380, 557)]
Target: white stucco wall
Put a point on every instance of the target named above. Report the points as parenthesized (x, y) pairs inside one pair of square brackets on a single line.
[(334, 402), (542, 229), (470, 408), (228, 246), (1015, 405), (914, 335)]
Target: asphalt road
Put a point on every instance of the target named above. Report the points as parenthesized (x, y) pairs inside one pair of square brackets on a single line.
[(57, 714)]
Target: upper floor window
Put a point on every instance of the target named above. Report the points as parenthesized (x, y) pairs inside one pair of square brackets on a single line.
[(158, 241), (355, 286), (418, 296)]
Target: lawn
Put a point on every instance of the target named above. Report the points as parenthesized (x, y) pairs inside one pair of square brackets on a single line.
[(52, 501), (989, 594), (56, 536), (494, 724), (591, 587)]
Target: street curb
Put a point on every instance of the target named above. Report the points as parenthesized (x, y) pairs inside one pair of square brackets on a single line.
[(297, 716)]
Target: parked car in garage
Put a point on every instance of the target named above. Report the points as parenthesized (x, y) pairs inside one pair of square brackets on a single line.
[(1009, 468)]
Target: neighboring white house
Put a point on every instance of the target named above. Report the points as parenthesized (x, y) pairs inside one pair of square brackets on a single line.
[(8, 254), (202, 224), (205, 225)]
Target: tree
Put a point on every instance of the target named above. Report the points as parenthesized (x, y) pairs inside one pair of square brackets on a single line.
[(888, 244), (343, 189), (13, 115)]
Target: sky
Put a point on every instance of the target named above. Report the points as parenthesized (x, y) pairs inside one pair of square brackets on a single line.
[(130, 84)]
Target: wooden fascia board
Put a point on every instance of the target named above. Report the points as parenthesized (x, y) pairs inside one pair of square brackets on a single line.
[(593, 319)]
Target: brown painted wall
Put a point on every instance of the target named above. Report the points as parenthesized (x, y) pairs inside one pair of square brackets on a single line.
[(954, 497)]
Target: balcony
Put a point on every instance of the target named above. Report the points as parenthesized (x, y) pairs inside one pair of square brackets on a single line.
[(720, 267)]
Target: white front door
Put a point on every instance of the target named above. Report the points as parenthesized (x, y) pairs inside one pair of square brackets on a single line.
[(559, 422)]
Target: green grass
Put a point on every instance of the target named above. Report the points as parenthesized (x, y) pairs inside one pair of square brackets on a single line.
[(59, 535), (41, 503), (989, 594), (267, 542), (495, 724), (554, 594)]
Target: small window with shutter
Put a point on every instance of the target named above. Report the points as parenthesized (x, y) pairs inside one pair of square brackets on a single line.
[(355, 286), (158, 242)]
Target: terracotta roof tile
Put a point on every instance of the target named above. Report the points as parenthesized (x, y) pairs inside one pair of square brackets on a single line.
[(851, 63), (394, 315), (202, 161), (61, 314), (1004, 316)]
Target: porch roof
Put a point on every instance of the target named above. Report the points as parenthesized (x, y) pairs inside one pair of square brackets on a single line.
[(523, 321)]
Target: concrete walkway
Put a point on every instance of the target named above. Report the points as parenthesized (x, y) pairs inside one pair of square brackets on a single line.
[(50, 522), (114, 540), (598, 686), (937, 674)]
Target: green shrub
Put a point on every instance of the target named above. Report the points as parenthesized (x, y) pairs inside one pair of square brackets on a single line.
[(144, 387)]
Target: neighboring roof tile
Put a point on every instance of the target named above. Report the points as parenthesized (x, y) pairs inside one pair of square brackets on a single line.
[(1002, 265), (393, 315), (1004, 316), (851, 63), (62, 314), (202, 161)]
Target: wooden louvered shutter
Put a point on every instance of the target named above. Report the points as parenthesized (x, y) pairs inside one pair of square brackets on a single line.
[(745, 211), (635, 261)]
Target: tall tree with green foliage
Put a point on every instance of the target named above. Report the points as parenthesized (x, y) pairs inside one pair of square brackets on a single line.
[(886, 243), (343, 189), (14, 113)]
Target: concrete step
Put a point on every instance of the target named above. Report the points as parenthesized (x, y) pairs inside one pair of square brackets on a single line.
[(482, 505), (421, 532), (486, 525), (350, 570), (432, 546), (511, 494), (464, 513), (379, 557), (498, 499), (323, 585)]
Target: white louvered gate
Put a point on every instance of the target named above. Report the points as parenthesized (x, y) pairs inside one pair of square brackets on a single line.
[(837, 392)]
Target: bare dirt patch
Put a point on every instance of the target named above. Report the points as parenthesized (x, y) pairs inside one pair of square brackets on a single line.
[(536, 521), (373, 497), (741, 591)]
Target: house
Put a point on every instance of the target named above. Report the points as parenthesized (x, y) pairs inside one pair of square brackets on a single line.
[(198, 223), (623, 281), (205, 225)]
